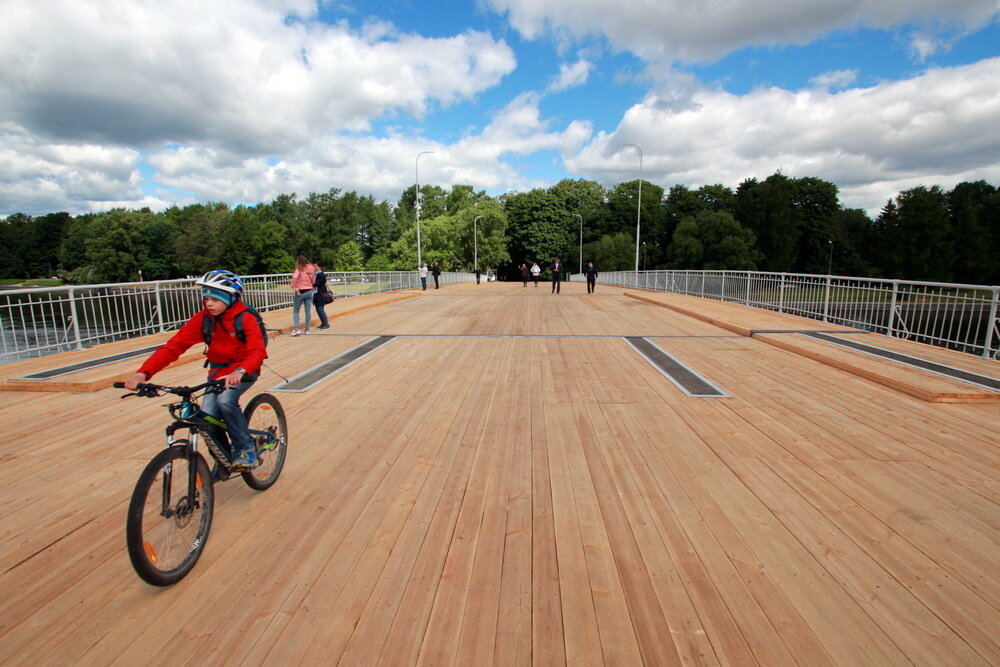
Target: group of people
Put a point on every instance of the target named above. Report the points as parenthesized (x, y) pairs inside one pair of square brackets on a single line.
[(435, 270), (309, 284), (557, 273)]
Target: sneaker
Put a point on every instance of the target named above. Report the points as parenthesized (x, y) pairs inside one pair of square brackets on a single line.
[(244, 460), (324, 326), (296, 332), (307, 332)]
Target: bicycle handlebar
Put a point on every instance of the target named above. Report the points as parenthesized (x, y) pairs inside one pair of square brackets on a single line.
[(150, 390)]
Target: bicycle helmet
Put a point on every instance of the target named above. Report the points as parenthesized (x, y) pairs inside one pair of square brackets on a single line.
[(220, 284)]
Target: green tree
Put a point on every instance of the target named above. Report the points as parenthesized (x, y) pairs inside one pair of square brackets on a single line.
[(768, 210), (653, 225), (491, 243), (15, 237), (349, 257), (816, 205), (45, 241), (540, 228), (612, 252), (925, 238), (156, 247), (234, 247), (113, 245), (198, 228), (968, 206), (269, 248), (714, 241)]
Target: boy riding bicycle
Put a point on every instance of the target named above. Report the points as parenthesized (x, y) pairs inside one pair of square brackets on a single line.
[(233, 360)]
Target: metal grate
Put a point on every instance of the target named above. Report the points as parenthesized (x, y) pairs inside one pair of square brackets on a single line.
[(685, 378), (305, 381)]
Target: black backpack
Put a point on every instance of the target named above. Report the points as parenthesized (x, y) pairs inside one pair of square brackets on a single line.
[(241, 334)]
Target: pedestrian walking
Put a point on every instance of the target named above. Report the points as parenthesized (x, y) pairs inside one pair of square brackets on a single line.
[(557, 269), (591, 273), (436, 272), (423, 276), (524, 273), (535, 272)]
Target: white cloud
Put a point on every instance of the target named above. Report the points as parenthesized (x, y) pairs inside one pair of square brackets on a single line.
[(382, 166), (41, 177), (838, 79), (246, 76), (937, 128), (571, 75), (680, 29)]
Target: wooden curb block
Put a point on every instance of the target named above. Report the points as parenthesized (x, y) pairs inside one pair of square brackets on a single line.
[(917, 383)]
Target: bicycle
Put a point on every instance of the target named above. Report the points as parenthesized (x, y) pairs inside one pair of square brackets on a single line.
[(170, 513)]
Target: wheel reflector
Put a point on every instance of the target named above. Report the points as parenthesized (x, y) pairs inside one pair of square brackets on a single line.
[(151, 552)]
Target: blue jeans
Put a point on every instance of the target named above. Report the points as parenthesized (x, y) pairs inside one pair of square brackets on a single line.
[(300, 299), (324, 321), (226, 406)]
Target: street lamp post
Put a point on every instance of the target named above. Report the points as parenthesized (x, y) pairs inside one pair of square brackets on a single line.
[(829, 265), (475, 243), (581, 240), (638, 215), (416, 200)]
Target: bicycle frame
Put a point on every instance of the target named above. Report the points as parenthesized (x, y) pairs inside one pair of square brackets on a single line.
[(188, 415)]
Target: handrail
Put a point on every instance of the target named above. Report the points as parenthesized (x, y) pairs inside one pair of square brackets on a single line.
[(43, 320), (954, 315)]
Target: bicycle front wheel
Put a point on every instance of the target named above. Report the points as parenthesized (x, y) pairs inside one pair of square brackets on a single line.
[(169, 516), (269, 430)]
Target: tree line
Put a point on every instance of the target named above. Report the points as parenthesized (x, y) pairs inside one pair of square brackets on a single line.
[(779, 224)]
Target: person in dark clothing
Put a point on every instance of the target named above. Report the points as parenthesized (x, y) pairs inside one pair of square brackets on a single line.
[(436, 272), (525, 273), (479, 274), (591, 272), (319, 298), (557, 269)]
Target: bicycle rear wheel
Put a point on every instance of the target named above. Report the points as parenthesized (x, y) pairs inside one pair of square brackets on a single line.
[(269, 429), (167, 524)]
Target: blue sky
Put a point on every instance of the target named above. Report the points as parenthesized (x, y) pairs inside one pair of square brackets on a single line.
[(144, 103)]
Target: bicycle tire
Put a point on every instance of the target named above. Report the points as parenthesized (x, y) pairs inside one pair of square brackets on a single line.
[(264, 413), (163, 549)]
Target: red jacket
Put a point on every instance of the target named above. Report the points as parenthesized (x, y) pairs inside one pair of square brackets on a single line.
[(225, 348)]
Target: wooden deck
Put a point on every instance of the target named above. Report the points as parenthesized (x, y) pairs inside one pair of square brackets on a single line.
[(508, 482)]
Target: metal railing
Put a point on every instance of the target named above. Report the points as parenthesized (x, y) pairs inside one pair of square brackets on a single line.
[(959, 317), (39, 321)]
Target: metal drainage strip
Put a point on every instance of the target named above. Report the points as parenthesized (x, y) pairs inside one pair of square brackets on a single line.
[(84, 365), (948, 371), (686, 379), (305, 381)]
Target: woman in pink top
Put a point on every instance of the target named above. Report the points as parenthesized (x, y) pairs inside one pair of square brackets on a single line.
[(303, 285)]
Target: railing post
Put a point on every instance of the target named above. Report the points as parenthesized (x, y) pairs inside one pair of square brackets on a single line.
[(826, 301), (781, 294), (991, 324), (892, 309), (76, 319), (159, 309), (747, 300)]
